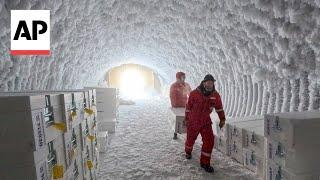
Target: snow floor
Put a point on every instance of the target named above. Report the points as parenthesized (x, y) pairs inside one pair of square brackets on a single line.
[(143, 148)]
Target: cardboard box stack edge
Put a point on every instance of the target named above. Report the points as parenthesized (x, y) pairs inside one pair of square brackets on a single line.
[(274, 146), (49, 134), (107, 106)]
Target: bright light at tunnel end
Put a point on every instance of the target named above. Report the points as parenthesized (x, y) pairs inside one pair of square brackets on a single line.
[(132, 85)]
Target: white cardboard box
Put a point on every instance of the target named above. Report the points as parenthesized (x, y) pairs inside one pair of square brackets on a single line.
[(74, 103), (236, 151), (107, 125), (87, 153), (254, 162), (177, 120), (75, 171), (237, 129), (226, 131), (97, 160), (16, 102), (103, 139), (94, 147), (107, 102), (22, 158), (275, 171), (292, 140), (107, 114), (92, 94), (86, 132), (299, 160), (222, 145), (294, 129), (237, 136), (255, 140), (72, 143), (88, 173), (60, 155), (28, 110), (23, 130), (38, 171), (49, 106)]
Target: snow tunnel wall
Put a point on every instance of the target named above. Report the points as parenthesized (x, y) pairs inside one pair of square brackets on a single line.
[(264, 53)]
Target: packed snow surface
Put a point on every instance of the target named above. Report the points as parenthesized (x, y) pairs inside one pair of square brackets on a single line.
[(143, 148), (265, 54)]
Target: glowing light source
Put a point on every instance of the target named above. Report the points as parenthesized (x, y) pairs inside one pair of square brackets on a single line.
[(132, 84)]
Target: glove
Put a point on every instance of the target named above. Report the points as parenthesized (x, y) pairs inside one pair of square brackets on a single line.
[(221, 124)]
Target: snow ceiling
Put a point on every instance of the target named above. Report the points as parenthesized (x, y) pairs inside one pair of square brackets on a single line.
[(264, 53)]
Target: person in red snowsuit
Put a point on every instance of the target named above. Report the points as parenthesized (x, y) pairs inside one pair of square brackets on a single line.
[(179, 91), (201, 102)]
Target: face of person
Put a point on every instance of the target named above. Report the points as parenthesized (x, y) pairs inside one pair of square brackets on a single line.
[(182, 78), (208, 85)]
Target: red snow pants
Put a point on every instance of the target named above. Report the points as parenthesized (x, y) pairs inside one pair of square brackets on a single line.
[(207, 140)]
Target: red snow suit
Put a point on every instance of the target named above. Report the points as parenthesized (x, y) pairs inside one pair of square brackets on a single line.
[(179, 93), (198, 110)]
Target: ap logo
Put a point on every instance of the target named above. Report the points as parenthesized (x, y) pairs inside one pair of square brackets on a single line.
[(30, 32)]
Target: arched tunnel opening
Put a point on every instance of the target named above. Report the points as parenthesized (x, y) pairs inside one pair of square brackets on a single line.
[(121, 89), (134, 81)]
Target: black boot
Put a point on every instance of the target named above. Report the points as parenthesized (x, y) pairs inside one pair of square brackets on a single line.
[(175, 136), (207, 168), (188, 155)]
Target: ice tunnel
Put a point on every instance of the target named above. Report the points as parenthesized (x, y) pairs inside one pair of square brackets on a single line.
[(263, 54)]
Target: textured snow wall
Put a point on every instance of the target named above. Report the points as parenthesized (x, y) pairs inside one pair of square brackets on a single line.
[(264, 53)]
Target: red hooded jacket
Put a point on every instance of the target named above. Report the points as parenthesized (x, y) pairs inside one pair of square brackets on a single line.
[(199, 108), (179, 92)]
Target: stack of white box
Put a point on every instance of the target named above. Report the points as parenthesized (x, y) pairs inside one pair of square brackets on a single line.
[(285, 146), (238, 138), (229, 139), (48, 134), (293, 146), (254, 150), (107, 108), (221, 136), (103, 141), (107, 124), (107, 103), (32, 136), (221, 141), (89, 134), (74, 115)]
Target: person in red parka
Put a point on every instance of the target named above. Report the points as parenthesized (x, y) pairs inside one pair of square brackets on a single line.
[(201, 102), (179, 91)]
